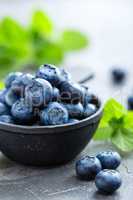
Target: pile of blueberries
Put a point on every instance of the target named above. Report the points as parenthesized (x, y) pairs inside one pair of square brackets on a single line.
[(102, 169), (50, 97)]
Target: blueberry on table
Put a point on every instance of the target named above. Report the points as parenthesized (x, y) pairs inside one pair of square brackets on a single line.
[(118, 75), (89, 110), (109, 159), (22, 112), (130, 103), (88, 167), (11, 77), (6, 119), (11, 97), (54, 114), (72, 120), (56, 94), (4, 110), (71, 92), (108, 181), (50, 73), (38, 93), (19, 84), (75, 110)]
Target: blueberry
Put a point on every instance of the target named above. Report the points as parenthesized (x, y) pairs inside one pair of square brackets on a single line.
[(4, 110), (50, 73), (10, 97), (38, 93), (118, 75), (109, 159), (108, 181), (88, 97), (54, 114), (2, 95), (89, 110), (65, 76), (56, 94), (19, 84), (11, 77), (6, 119), (71, 92), (130, 103), (75, 110), (88, 167), (71, 120), (22, 113)]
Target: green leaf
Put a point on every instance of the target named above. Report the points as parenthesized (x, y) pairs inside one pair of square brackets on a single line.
[(128, 120), (32, 45), (2, 85), (11, 32), (41, 23), (72, 40), (113, 109), (48, 52), (103, 133), (123, 139)]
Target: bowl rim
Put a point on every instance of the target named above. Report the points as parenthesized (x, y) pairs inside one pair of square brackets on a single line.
[(16, 129)]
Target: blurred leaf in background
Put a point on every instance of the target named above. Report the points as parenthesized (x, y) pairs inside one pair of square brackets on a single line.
[(72, 40), (34, 44)]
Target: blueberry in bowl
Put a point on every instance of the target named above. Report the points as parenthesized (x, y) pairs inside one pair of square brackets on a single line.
[(54, 114), (20, 82), (50, 73), (38, 92), (11, 77), (53, 133), (71, 92), (22, 112)]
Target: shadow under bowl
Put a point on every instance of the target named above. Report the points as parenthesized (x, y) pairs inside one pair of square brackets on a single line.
[(47, 145)]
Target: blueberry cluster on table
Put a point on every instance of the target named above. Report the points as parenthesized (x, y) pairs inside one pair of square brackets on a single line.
[(49, 97), (102, 169)]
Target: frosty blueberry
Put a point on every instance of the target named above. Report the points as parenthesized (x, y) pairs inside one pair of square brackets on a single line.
[(38, 93), (88, 167), (109, 159), (54, 114), (108, 181)]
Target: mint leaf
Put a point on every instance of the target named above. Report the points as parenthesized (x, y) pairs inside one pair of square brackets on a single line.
[(47, 52), (31, 45), (123, 139), (116, 125), (41, 23), (103, 133), (72, 40), (113, 109), (128, 120), (2, 85), (113, 112), (12, 33)]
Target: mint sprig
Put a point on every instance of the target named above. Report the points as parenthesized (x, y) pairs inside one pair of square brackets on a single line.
[(117, 126), (35, 43)]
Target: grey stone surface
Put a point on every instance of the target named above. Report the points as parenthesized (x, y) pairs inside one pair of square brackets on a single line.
[(22, 182), (109, 24)]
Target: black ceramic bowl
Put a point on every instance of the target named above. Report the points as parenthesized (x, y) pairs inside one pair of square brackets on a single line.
[(49, 145)]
